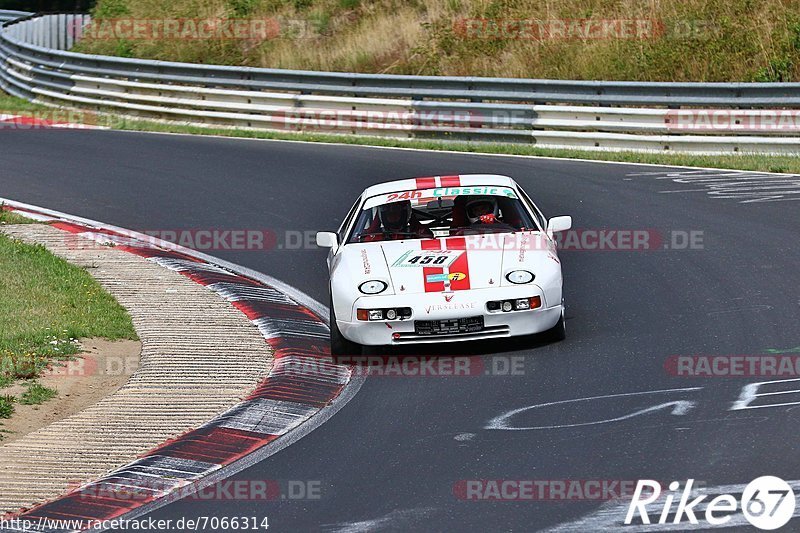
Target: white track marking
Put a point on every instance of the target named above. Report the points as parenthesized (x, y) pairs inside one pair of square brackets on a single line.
[(391, 519), (679, 408), (750, 394), (746, 187)]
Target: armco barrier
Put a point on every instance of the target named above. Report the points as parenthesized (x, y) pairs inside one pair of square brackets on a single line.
[(36, 64), (6, 15)]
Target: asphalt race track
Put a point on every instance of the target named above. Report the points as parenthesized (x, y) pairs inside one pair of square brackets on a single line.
[(392, 458)]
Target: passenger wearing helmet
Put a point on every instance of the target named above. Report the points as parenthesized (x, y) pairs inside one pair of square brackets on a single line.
[(483, 210)]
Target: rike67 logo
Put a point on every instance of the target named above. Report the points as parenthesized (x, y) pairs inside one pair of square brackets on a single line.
[(767, 503)]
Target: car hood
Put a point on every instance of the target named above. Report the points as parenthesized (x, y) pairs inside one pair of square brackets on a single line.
[(452, 263)]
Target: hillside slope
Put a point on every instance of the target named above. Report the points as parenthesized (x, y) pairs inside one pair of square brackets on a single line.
[(658, 40)]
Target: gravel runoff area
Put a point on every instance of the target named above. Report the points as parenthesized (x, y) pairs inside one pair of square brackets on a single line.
[(200, 356)]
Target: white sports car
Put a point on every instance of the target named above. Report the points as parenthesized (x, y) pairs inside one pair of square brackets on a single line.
[(443, 259)]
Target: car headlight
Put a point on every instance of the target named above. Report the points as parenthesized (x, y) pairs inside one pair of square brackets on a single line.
[(519, 277), (374, 286)]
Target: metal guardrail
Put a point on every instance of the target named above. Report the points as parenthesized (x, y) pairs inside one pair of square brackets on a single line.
[(36, 64), (6, 15)]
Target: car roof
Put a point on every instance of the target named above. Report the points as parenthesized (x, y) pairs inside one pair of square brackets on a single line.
[(431, 182)]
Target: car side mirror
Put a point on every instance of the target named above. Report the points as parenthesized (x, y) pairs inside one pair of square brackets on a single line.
[(327, 239), (556, 224)]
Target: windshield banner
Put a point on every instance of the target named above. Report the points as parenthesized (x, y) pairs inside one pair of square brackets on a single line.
[(420, 196)]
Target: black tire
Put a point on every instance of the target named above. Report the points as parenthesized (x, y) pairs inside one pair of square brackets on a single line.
[(341, 348), (558, 332)]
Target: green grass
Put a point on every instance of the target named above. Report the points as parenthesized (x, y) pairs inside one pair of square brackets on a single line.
[(742, 161), (9, 217), (6, 406), (12, 104), (36, 394), (47, 305), (691, 40)]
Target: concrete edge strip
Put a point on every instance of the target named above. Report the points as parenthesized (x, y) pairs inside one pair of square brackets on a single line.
[(303, 390)]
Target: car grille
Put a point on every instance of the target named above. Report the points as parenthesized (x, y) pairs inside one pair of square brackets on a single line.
[(487, 332), (449, 326)]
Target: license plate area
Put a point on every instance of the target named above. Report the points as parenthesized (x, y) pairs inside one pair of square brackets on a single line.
[(448, 326)]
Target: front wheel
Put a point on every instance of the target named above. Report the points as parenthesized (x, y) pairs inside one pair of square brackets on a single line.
[(341, 347)]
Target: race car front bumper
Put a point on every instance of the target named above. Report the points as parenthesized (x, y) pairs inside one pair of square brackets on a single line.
[(446, 306)]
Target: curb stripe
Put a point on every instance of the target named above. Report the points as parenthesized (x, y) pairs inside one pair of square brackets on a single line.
[(213, 445), (303, 380)]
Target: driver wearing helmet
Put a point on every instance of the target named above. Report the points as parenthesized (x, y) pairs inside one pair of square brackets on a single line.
[(395, 221), (483, 210), (395, 217)]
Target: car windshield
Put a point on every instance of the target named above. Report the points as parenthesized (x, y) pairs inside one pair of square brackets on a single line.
[(441, 212)]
